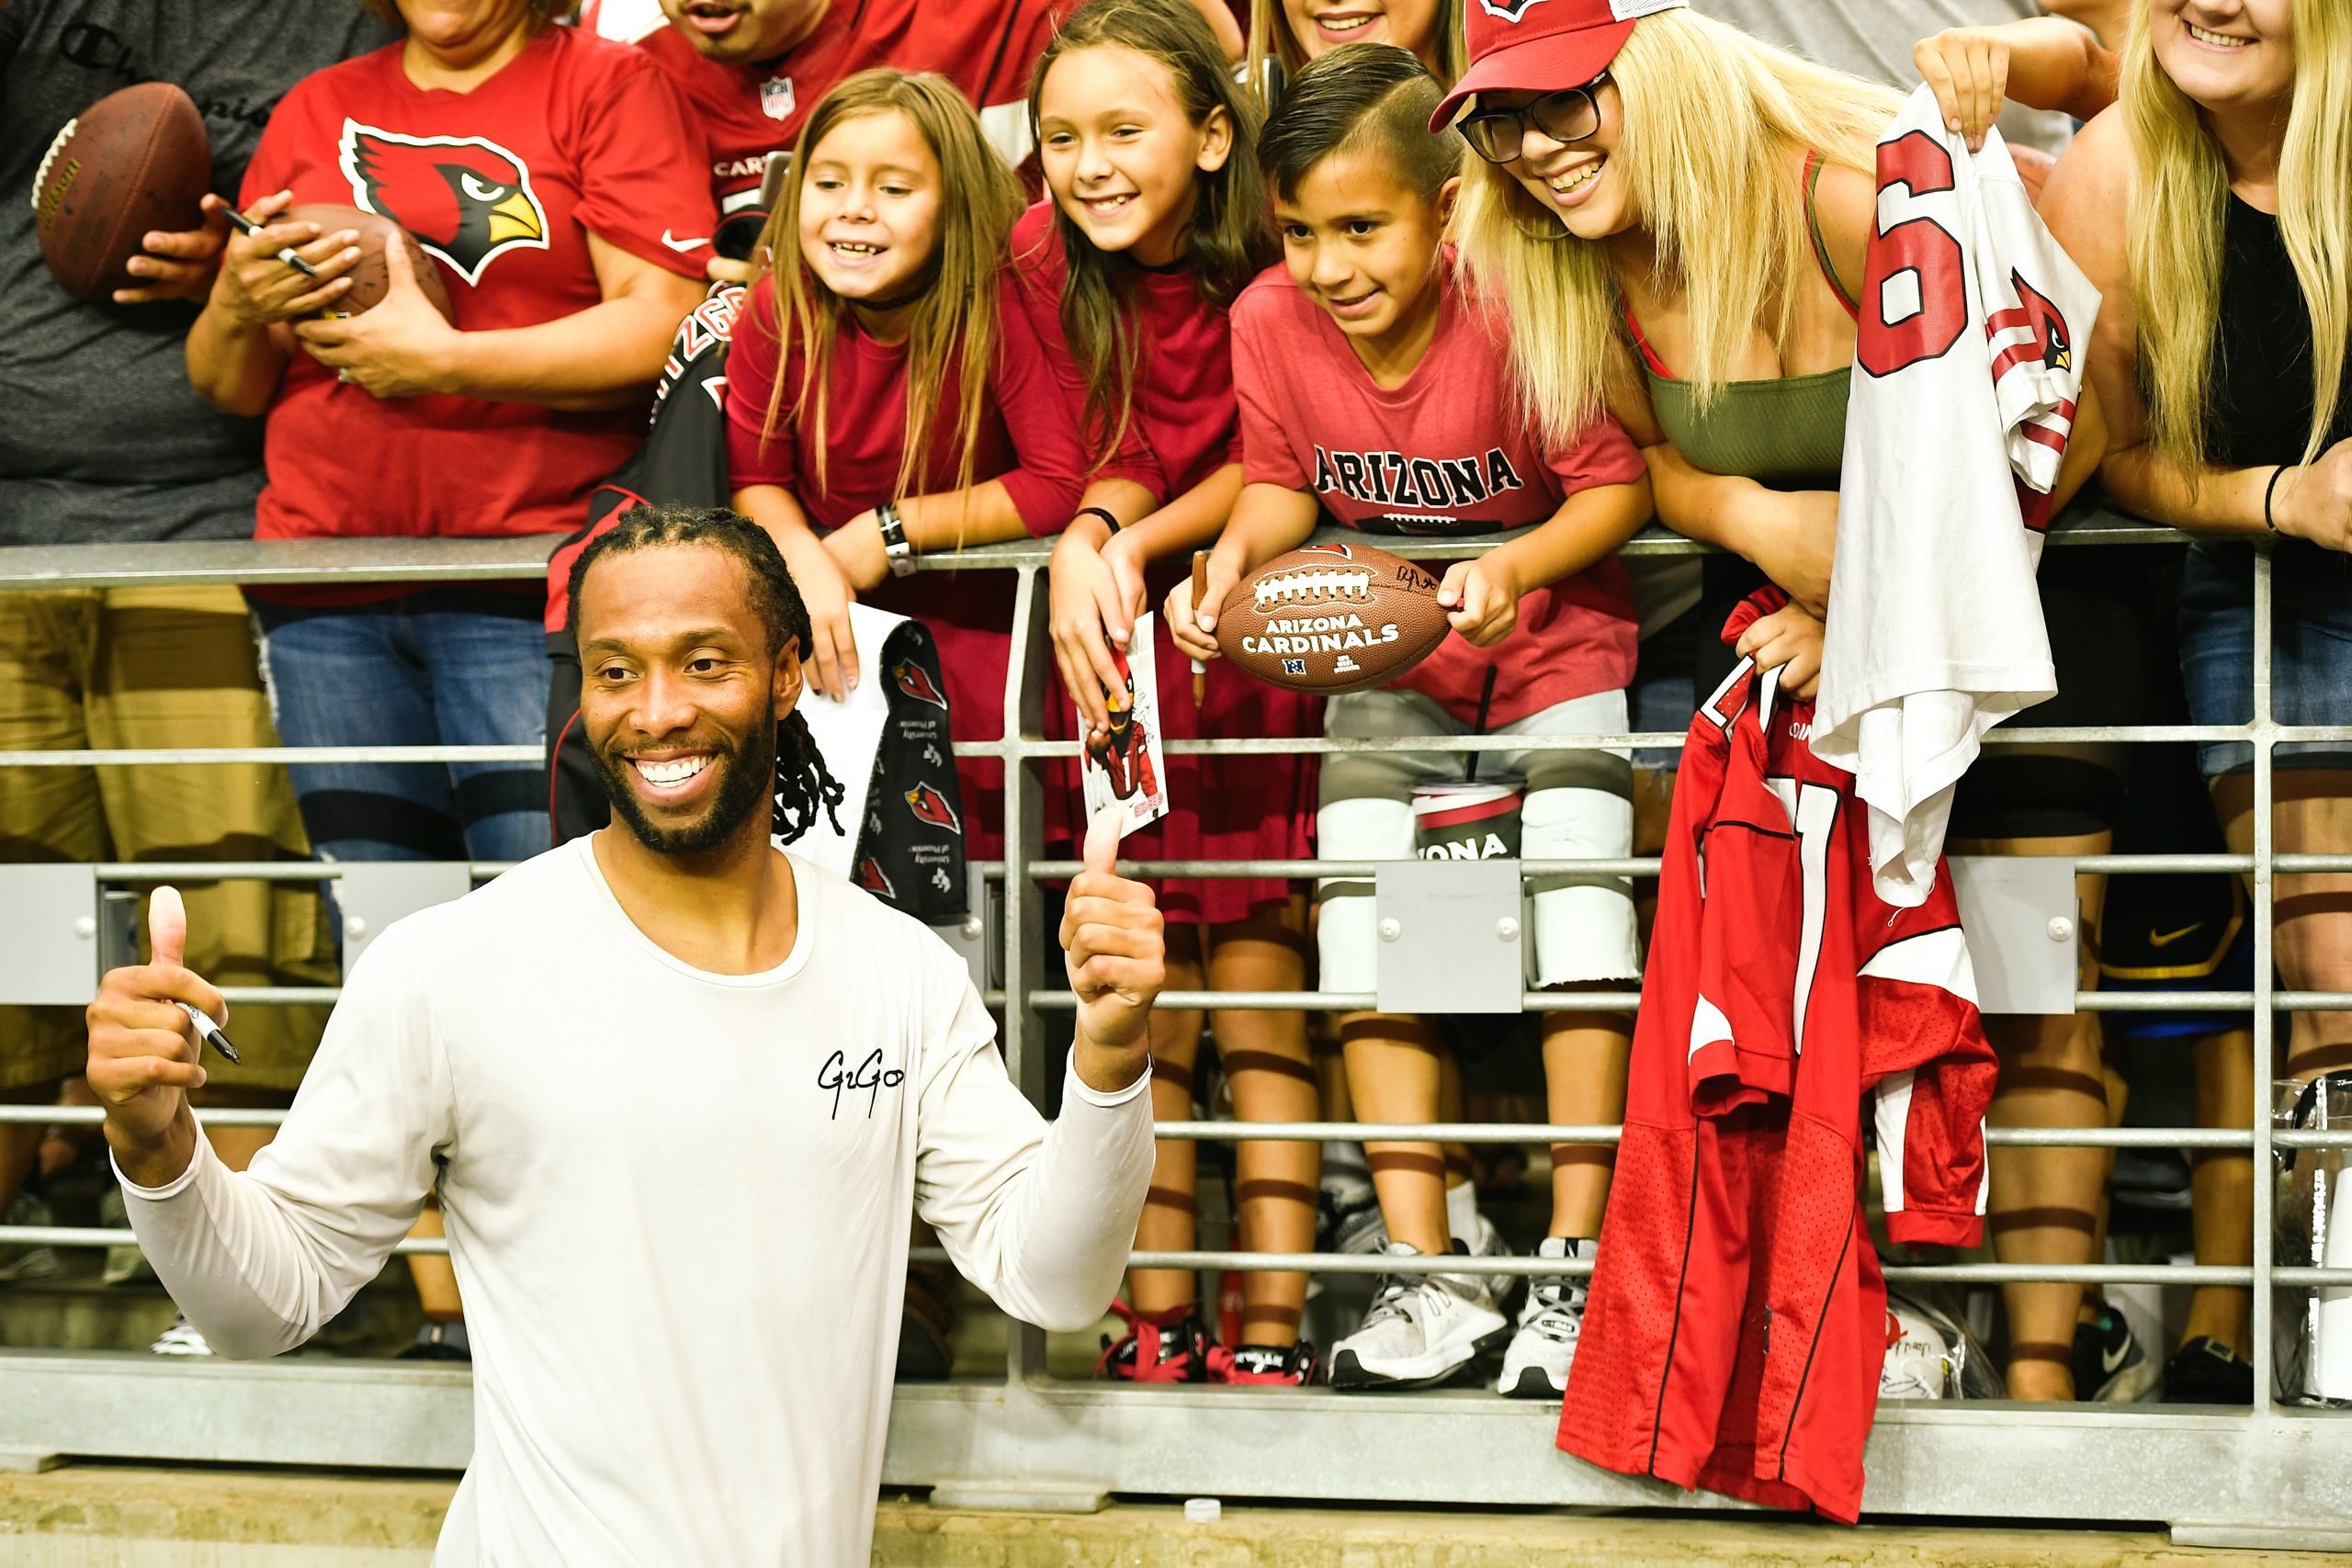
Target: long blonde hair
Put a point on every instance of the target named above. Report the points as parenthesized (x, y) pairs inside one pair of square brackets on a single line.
[(2179, 201), (1712, 121), (1273, 43), (954, 331)]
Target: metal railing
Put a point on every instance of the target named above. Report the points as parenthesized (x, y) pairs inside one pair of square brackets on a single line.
[(2215, 1477)]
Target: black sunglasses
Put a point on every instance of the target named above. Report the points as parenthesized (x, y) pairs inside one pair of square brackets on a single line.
[(1567, 116)]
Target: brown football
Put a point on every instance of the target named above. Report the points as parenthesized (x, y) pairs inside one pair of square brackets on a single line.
[(371, 278), (135, 160), (1331, 618)]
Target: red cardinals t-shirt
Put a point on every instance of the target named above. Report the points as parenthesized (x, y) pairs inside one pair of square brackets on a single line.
[(752, 112), (501, 186), (1448, 452), (1027, 442), (1184, 425)]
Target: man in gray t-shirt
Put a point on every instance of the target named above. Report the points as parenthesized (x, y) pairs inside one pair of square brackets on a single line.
[(103, 441)]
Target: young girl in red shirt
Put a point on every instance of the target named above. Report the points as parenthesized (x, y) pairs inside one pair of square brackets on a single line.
[(1374, 386), (860, 435), (1156, 220)]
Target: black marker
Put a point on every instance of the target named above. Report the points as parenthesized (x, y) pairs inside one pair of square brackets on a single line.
[(206, 1030), (247, 226)]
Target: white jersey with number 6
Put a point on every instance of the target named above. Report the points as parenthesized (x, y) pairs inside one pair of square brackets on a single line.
[(1970, 353)]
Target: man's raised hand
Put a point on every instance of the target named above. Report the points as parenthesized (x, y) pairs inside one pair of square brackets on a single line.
[(1117, 958), (143, 1049)]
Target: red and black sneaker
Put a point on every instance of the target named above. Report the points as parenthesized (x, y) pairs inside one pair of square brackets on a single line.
[(1167, 1347), (1289, 1366)]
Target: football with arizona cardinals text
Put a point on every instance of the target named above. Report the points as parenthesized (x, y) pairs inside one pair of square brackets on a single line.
[(1331, 618)]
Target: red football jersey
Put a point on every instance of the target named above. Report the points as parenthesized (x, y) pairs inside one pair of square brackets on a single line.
[(503, 185), (750, 113), (1736, 1320)]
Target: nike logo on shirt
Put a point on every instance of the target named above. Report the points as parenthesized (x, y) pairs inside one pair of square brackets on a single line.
[(2167, 937), (677, 244)]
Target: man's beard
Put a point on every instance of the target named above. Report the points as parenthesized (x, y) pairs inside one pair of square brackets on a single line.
[(747, 785)]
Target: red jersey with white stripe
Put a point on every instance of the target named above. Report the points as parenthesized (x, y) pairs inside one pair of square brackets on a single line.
[(1736, 1320), (1970, 352)]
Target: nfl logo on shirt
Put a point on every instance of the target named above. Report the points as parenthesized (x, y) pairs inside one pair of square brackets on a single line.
[(777, 100)]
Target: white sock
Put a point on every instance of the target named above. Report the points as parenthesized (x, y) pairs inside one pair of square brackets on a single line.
[(1462, 1212)]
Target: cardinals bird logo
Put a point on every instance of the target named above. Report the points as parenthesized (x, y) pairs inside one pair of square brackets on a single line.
[(466, 198), (915, 681), (2036, 313), (870, 877), (930, 806)]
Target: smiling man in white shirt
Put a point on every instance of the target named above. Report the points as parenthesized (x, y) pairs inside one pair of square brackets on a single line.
[(669, 1367)]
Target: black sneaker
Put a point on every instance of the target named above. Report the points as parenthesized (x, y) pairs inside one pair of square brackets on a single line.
[(2207, 1371), (439, 1342), (1169, 1347), (2110, 1366)]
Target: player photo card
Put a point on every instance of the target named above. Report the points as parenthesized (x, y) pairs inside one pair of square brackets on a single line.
[(1125, 768)]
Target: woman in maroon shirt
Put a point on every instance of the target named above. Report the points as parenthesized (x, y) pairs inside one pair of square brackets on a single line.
[(858, 436), (1159, 219)]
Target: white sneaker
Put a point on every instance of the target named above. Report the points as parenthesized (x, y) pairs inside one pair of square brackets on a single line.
[(1420, 1331), (1485, 1241), (23, 1261), (1536, 1365), (182, 1338)]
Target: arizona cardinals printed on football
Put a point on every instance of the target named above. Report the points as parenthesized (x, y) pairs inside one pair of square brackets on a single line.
[(1332, 618), (468, 198)]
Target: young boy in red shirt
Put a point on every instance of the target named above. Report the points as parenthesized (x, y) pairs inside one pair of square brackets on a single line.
[(1374, 386)]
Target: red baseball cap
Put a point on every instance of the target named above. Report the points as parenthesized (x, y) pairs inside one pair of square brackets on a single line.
[(1540, 45)]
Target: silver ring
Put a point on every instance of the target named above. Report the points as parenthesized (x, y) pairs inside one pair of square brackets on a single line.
[(344, 376)]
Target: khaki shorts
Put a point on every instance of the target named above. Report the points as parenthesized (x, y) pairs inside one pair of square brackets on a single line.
[(98, 668)]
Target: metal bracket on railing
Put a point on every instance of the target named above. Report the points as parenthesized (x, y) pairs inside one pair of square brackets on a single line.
[(2022, 922), (975, 937), (52, 944), (373, 893), (1450, 936)]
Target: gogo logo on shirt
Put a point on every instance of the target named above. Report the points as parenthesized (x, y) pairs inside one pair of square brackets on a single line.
[(869, 1077), (466, 198)]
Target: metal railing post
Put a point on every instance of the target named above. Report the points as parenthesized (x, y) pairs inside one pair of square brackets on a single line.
[(1024, 836), (2265, 1024)]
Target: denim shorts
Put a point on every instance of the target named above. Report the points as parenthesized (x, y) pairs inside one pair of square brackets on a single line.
[(2310, 666)]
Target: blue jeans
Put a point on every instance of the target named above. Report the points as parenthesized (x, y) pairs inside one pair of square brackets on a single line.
[(442, 667), (2311, 648)]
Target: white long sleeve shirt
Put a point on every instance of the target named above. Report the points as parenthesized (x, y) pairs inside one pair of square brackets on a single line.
[(677, 1203)]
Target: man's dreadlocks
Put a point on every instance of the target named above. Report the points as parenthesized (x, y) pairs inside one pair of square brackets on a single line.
[(803, 784)]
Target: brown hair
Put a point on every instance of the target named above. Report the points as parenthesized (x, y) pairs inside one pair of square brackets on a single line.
[(1230, 238), (1356, 98), (954, 323)]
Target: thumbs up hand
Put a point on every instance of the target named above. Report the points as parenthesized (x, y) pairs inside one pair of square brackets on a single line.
[(1113, 944), (143, 1048)]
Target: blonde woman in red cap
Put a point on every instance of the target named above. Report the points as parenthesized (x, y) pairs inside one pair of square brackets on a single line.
[(1677, 215)]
